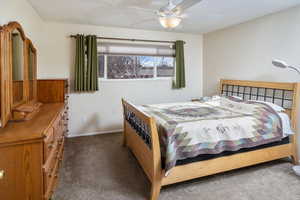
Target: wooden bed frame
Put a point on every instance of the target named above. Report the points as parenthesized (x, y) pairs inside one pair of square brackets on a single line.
[(141, 136)]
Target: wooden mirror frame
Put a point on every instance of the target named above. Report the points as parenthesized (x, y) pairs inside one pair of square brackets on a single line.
[(6, 91), (11, 27), (5, 75), (30, 46)]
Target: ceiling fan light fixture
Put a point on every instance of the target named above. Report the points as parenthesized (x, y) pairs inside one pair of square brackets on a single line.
[(169, 21)]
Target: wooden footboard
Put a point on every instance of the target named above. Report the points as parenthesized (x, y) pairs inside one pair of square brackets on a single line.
[(140, 135)]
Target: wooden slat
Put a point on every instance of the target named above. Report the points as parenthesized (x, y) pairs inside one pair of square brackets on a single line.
[(222, 164), (259, 84)]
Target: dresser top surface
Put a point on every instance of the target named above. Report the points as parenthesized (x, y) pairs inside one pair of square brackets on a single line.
[(15, 132)]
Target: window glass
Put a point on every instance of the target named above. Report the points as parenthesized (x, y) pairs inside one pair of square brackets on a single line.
[(121, 67), (146, 66), (165, 67), (101, 66)]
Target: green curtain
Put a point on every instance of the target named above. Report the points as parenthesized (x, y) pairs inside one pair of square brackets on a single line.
[(86, 64), (79, 63), (92, 63), (180, 71)]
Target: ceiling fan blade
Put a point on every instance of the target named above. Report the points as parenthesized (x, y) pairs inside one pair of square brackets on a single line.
[(185, 4), (143, 9)]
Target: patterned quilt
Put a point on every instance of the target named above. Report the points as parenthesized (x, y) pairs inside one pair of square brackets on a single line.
[(212, 125)]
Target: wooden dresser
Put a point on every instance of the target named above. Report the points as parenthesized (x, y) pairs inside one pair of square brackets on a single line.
[(31, 152)]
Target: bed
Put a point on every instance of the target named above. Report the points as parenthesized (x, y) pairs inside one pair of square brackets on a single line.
[(145, 136)]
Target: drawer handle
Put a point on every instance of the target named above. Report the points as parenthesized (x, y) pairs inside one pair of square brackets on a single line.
[(50, 146), (2, 173), (60, 140), (50, 174)]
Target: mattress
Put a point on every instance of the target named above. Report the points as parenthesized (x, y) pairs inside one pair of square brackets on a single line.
[(204, 157), (286, 131), (215, 125)]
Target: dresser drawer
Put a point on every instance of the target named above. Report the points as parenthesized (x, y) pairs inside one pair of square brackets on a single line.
[(59, 131), (56, 122), (51, 181), (49, 142), (49, 165), (56, 153), (50, 176), (52, 185), (54, 136)]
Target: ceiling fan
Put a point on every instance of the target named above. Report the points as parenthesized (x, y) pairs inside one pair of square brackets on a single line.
[(172, 14)]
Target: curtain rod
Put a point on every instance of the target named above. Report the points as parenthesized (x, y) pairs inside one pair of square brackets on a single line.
[(132, 40)]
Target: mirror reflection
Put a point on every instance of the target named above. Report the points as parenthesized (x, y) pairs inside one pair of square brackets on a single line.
[(17, 67), (31, 72)]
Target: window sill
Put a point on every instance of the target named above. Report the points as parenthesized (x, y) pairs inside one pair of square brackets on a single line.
[(140, 79)]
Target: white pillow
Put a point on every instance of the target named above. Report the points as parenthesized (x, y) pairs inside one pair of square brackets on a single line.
[(272, 105), (286, 125)]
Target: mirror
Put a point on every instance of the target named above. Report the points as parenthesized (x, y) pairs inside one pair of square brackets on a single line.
[(18, 84), (17, 67), (31, 71)]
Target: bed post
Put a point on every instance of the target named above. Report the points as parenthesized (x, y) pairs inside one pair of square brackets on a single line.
[(294, 117), (220, 87), (124, 124), (157, 170)]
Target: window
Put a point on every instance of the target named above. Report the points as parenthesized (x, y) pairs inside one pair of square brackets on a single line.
[(165, 67), (135, 62)]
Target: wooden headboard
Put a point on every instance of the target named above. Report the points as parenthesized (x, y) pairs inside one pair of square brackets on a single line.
[(286, 95)]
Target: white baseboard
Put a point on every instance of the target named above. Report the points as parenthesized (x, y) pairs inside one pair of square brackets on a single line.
[(95, 133)]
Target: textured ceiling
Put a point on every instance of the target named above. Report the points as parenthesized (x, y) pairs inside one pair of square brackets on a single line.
[(205, 16)]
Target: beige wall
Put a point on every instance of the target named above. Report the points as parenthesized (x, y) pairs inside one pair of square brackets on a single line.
[(22, 12), (245, 51), (101, 111)]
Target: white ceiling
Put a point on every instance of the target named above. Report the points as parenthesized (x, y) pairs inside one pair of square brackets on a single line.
[(205, 16)]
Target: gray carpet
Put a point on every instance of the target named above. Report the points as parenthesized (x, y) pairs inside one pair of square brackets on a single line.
[(99, 168)]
